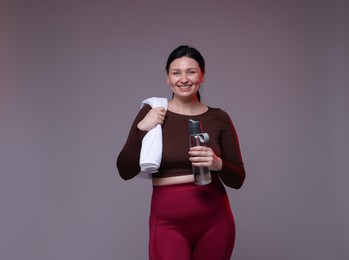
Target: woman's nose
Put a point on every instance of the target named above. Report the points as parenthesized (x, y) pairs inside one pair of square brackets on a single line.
[(184, 78)]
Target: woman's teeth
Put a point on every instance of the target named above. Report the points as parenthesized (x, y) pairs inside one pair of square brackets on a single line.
[(184, 86)]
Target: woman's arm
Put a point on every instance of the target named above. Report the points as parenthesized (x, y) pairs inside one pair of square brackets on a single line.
[(229, 166), (128, 160), (233, 172)]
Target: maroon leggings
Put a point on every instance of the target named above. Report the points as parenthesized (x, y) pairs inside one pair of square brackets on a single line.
[(188, 221)]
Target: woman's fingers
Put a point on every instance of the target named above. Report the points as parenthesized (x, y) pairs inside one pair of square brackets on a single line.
[(201, 154), (205, 157), (159, 114), (152, 118)]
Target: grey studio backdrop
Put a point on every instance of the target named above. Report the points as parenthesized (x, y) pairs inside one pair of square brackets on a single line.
[(73, 74)]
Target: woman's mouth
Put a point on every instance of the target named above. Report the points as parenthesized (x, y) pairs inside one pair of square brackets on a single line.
[(184, 86)]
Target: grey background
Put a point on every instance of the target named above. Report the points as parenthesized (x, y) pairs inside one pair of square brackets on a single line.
[(73, 74)]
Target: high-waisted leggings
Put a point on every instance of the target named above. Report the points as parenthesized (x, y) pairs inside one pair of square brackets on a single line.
[(191, 222)]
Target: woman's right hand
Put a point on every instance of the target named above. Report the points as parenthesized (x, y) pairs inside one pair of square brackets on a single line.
[(152, 118)]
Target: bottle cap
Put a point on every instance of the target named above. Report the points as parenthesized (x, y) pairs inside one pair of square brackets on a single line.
[(194, 127)]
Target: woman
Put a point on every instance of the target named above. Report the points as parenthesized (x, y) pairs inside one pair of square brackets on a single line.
[(187, 221)]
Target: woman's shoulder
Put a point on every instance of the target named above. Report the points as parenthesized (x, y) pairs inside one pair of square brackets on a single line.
[(219, 116), (217, 111), (142, 112)]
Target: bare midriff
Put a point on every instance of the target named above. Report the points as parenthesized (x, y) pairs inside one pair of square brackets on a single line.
[(173, 180)]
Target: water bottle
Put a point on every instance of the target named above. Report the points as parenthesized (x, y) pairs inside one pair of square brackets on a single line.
[(202, 175)]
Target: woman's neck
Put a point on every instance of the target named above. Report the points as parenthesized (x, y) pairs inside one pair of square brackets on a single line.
[(192, 107)]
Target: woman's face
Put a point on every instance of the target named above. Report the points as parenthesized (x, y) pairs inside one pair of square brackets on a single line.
[(185, 77)]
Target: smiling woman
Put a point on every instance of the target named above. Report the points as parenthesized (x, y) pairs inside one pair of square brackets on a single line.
[(185, 77), (187, 221), (187, 52)]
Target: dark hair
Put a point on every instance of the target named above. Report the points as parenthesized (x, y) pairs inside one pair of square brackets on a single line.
[(186, 51)]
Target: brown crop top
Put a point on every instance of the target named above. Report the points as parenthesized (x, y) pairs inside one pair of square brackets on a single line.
[(175, 157)]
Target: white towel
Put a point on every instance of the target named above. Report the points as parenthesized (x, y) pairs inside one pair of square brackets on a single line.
[(151, 150)]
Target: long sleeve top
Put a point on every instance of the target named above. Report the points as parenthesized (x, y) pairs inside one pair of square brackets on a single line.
[(175, 158)]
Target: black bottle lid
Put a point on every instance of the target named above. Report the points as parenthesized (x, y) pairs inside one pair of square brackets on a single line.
[(194, 127)]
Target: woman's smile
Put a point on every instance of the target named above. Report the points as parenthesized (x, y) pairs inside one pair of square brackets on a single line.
[(184, 77)]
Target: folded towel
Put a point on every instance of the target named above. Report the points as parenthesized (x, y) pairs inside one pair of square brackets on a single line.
[(151, 150)]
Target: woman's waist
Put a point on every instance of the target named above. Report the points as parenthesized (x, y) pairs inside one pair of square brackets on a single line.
[(172, 172), (188, 197), (172, 180)]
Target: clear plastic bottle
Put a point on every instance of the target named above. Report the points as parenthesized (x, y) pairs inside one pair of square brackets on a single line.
[(202, 175)]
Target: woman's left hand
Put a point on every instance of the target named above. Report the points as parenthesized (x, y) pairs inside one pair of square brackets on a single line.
[(204, 156)]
